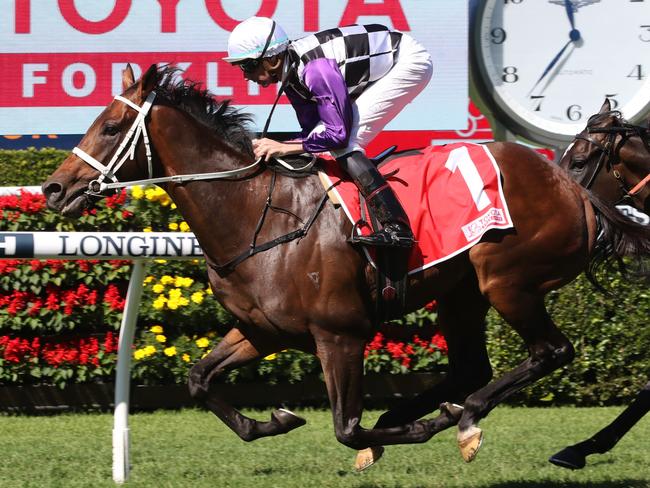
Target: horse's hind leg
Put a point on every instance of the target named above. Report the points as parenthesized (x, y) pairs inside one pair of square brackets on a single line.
[(234, 351), (461, 317), (573, 457), (549, 349), (342, 361)]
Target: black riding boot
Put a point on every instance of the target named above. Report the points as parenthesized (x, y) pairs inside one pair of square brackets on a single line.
[(381, 199)]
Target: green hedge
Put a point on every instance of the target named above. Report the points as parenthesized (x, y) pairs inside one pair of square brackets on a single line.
[(28, 167), (610, 333)]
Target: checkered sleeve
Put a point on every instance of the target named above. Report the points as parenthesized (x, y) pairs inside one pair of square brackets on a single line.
[(326, 83)]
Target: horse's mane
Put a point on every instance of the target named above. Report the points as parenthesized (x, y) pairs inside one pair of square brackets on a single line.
[(227, 121), (598, 118)]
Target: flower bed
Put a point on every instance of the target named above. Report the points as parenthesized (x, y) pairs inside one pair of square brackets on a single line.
[(58, 319)]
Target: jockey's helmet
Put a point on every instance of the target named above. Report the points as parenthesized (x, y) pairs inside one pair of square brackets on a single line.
[(256, 38)]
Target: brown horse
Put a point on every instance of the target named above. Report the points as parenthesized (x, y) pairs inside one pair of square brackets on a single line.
[(316, 293), (612, 158)]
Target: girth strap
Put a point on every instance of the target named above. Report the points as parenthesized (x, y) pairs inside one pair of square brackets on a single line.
[(226, 268)]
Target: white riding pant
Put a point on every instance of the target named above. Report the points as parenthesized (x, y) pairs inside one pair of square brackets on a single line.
[(385, 98)]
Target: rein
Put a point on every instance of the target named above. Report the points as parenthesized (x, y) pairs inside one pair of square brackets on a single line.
[(132, 137), (607, 153)]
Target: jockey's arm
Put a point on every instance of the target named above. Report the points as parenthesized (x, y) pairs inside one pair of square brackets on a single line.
[(333, 107)]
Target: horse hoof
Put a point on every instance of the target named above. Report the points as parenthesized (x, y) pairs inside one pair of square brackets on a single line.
[(469, 442), (287, 420), (569, 458), (452, 410), (367, 457)]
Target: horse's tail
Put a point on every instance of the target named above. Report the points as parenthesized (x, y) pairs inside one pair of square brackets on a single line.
[(619, 237)]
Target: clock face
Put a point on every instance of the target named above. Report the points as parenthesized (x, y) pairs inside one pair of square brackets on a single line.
[(545, 66)]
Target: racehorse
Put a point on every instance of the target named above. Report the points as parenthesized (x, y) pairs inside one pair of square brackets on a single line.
[(316, 293), (611, 157)]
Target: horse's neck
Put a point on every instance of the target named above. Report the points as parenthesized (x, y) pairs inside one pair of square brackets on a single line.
[(221, 213)]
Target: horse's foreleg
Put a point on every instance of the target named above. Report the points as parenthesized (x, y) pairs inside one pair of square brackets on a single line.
[(342, 361), (234, 351), (549, 349), (573, 457)]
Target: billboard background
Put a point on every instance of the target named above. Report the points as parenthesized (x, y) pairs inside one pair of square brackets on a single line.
[(62, 59)]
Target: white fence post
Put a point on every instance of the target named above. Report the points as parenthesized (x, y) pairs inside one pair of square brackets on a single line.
[(123, 374)]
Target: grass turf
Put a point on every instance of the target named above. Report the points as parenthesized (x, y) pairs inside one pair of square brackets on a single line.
[(191, 448)]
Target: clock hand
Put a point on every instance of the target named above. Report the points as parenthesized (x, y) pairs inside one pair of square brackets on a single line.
[(550, 65), (574, 36), (575, 33), (569, 11)]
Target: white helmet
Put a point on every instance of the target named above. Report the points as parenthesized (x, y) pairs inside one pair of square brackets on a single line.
[(250, 38)]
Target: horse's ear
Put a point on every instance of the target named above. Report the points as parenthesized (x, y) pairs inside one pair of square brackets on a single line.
[(127, 77), (607, 107), (148, 80)]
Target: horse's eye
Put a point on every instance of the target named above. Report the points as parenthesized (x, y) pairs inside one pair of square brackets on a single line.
[(110, 130), (578, 162)]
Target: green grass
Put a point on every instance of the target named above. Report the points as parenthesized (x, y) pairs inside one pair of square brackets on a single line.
[(191, 448)]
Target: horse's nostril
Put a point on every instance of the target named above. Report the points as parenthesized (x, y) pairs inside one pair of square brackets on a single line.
[(52, 189)]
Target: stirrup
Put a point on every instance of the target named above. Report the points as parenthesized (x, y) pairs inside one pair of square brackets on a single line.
[(389, 236)]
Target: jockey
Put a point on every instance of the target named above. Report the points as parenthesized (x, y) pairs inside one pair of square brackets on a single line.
[(345, 85)]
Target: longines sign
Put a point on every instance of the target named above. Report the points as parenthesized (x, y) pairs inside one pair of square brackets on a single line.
[(107, 245)]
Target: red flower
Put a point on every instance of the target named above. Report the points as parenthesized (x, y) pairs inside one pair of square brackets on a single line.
[(116, 200), (432, 306), (113, 298), (8, 265), (438, 340)]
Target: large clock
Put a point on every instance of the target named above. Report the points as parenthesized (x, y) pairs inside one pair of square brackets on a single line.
[(542, 67)]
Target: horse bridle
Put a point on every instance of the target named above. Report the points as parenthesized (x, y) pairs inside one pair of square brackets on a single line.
[(608, 152)]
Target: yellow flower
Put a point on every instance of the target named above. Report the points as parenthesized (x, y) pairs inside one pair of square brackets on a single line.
[(184, 227), (138, 354), (137, 192), (172, 304), (147, 229), (158, 288), (161, 338), (175, 293), (156, 329), (170, 351), (208, 291), (203, 342), (149, 279), (271, 357), (159, 303), (173, 206), (149, 351), (186, 358), (180, 281), (173, 226), (160, 261), (197, 297), (166, 280)]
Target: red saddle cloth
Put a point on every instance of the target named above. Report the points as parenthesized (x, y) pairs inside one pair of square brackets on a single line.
[(452, 195)]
